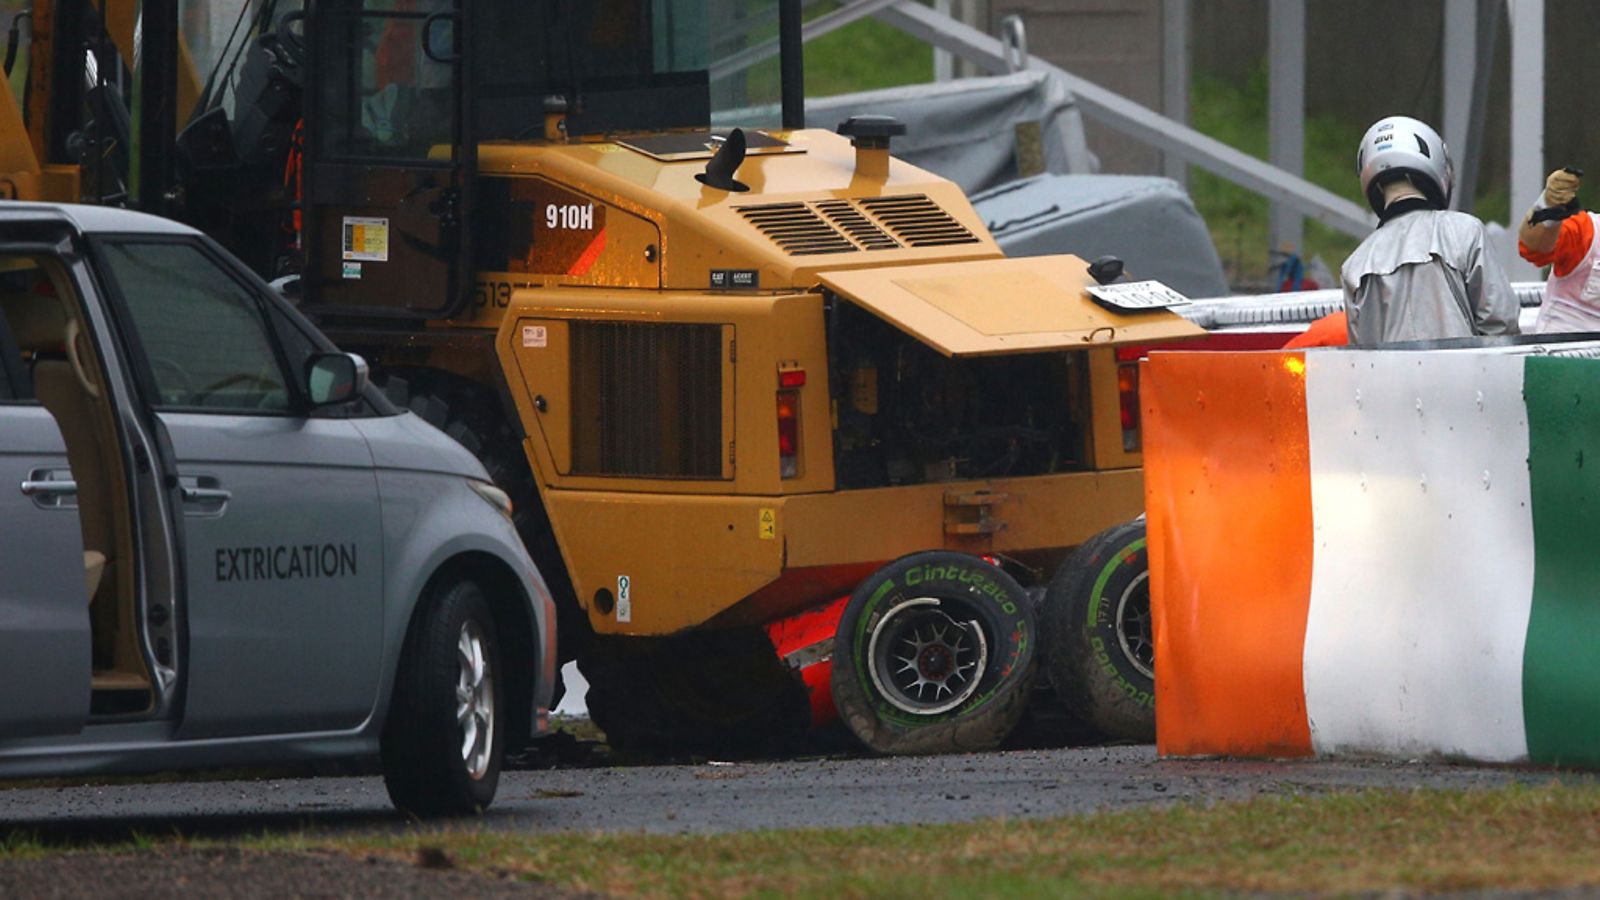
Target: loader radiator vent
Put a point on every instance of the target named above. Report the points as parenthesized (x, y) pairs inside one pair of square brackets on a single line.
[(917, 221), (647, 399), (861, 229), (797, 228)]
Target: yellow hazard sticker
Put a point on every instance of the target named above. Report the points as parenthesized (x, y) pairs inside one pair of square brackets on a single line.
[(767, 523), (366, 239)]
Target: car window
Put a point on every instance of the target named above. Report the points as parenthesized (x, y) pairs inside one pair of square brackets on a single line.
[(203, 333)]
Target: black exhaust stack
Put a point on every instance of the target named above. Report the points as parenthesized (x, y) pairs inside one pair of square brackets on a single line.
[(791, 64)]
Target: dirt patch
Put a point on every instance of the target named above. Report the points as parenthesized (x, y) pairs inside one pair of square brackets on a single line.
[(240, 874)]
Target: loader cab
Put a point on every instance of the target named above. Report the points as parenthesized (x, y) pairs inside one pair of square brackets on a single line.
[(401, 93)]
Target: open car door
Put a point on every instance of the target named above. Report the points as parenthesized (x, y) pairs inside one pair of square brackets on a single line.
[(387, 158), (998, 306)]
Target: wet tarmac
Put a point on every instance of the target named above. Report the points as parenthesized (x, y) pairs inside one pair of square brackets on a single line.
[(717, 796)]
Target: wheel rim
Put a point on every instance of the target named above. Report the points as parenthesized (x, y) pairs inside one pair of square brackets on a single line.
[(923, 661), (474, 700), (1134, 630)]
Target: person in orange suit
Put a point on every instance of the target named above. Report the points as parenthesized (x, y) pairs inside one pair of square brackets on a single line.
[(1332, 330), (1557, 233)]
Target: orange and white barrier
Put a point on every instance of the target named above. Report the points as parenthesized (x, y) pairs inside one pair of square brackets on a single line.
[(1375, 552)]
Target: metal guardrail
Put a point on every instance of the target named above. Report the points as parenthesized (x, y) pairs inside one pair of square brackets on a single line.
[(1300, 307), (1141, 122)]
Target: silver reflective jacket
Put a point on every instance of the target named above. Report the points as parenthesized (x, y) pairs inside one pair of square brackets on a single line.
[(1423, 275)]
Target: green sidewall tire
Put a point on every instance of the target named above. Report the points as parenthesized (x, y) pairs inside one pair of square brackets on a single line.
[(1085, 661), (420, 750), (983, 720)]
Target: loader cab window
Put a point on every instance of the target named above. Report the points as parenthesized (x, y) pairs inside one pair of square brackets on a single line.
[(389, 89), (625, 65)]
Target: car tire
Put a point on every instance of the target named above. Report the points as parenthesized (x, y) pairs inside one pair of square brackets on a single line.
[(970, 629), (1097, 636), (441, 753)]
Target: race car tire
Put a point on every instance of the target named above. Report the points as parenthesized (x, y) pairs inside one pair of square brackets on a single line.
[(934, 654), (1099, 646), (443, 742), (474, 416)]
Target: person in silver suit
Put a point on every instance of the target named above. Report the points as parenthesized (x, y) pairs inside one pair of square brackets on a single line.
[(1426, 272)]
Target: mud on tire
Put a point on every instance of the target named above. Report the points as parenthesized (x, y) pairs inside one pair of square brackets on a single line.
[(934, 654), (1096, 631)]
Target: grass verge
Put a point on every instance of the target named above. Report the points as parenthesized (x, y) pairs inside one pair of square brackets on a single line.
[(1371, 840)]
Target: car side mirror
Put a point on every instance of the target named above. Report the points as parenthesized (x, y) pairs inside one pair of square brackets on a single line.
[(333, 378)]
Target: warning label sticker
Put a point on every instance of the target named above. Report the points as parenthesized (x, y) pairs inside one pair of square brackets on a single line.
[(366, 239), (768, 524), (535, 336)]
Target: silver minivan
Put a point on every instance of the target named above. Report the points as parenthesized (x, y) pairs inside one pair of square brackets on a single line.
[(221, 546)]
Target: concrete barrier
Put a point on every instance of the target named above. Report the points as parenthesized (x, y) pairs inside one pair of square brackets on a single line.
[(1376, 553)]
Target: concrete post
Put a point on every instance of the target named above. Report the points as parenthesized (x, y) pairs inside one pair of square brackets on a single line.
[(1458, 71), (1286, 111), (1175, 78), (1527, 113)]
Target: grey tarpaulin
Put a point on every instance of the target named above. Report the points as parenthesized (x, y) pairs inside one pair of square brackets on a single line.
[(964, 130), (1148, 222)]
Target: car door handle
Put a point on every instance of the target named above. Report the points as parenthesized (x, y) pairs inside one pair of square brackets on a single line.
[(32, 488), (206, 495), (51, 489)]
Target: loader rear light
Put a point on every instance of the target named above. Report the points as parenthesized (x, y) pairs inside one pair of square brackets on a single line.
[(1128, 394), (789, 433), (792, 378)]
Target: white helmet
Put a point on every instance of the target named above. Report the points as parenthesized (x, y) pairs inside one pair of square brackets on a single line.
[(1400, 146)]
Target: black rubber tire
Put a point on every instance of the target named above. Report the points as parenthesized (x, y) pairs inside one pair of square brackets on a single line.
[(966, 590), (721, 694), (474, 416), (1095, 630), (421, 746)]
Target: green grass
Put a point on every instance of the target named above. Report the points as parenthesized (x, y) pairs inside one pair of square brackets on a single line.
[(1237, 217), (1540, 837), (862, 56)]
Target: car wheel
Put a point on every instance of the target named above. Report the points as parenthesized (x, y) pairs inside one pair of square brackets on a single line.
[(1097, 634), (934, 654), (443, 742)]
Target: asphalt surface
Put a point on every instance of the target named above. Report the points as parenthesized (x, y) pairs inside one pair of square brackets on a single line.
[(715, 797)]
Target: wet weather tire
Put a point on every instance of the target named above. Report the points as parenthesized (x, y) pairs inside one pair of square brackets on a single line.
[(444, 740), (934, 654), (1097, 635)]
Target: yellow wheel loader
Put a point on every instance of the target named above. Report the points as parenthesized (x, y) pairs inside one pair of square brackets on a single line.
[(789, 436)]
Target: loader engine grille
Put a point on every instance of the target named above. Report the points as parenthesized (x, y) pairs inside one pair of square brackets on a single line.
[(797, 228), (917, 221), (843, 226), (646, 399), (860, 228)]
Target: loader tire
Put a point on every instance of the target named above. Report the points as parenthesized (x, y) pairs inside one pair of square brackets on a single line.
[(934, 654), (720, 694), (1097, 635)]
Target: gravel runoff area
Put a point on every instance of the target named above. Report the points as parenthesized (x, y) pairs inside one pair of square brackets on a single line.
[(708, 797)]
